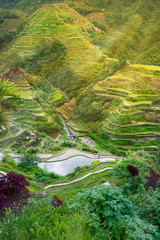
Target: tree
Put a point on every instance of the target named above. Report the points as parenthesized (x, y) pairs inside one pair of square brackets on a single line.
[(15, 61), (56, 202), (29, 161), (133, 171)]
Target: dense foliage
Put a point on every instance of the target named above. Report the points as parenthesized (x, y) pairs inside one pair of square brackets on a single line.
[(13, 192), (95, 212), (40, 220), (109, 207), (153, 180), (29, 161), (133, 170)]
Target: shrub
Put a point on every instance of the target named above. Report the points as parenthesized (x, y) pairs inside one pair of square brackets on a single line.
[(13, 192), (99, 25), (152, 180), (133, 170), (33, 150), (148, 203), (56, 202), (67, 143), (114, 216), (29, 161)]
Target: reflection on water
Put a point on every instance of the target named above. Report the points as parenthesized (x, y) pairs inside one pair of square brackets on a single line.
[(65, 167)]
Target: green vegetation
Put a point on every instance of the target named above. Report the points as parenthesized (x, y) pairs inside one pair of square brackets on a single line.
[(60, 224), (6, 90), (95, 65), (129, 24), (116, 206), (29, 161), (28, 167), (95, 211), (121, 112), (79, 50), (10, 21)]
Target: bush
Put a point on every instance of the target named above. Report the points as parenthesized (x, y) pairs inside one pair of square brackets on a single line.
[(114, 216), (13, 192), (67, 143), (33, 150), (56, 202), (133, 170), (153, 180), (99, 25), (29, 161), (148, 204)]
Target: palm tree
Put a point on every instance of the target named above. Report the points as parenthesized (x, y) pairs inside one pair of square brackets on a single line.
[(6, 90), (3, 119)]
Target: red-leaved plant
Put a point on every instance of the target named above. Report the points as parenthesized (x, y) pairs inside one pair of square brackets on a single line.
[(152, 180), (56, 202), (13, 192), (133, 171)]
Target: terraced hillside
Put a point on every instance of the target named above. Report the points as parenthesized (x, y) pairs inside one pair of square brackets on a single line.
[(64, 23), (26, 114), (10, 20), (133, 119), (67, 109), (59, 43)]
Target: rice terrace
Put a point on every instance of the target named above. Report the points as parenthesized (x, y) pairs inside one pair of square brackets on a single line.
[(80, 120)]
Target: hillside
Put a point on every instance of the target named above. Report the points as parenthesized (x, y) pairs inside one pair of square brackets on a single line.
[(133, 114), (57, 43), (71, 58), (61, 22), (130, 29), (79, 119)]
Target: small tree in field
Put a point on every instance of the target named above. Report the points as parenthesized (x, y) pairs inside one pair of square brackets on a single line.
[(29, 161), (133, 171)]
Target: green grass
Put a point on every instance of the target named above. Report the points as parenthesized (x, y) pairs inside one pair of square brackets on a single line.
[(60, 224)]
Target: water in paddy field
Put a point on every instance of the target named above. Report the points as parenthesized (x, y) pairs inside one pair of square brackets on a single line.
[(65, 167)]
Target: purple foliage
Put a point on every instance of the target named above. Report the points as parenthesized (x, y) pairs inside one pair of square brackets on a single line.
[(152, 180), (133, 170), (13, 192), (56, 202)]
